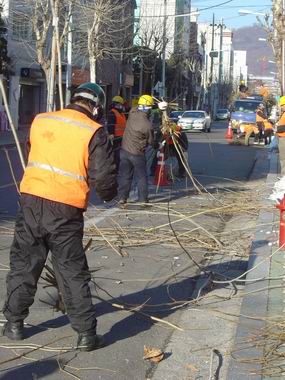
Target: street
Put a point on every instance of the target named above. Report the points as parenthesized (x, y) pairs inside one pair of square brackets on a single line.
[(212, 161), (139, 271)]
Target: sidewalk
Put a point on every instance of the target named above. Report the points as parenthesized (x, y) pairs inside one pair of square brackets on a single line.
[(7, 138), (263, 304)]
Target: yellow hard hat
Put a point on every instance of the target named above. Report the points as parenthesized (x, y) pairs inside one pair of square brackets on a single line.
[(282, 101), (146, 100), (118, 99)]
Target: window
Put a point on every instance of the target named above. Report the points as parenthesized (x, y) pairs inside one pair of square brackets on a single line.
[(21, 27)]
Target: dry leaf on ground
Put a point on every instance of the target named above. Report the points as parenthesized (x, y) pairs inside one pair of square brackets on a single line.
[(155, 355)]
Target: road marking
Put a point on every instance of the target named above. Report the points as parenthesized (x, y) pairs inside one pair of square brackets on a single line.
[(98, 219)]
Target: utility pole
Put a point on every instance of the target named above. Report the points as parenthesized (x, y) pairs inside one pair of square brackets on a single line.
[(212, 49), (141, 75), (68, 80), (221, 61), (211, 89), (163, 92)]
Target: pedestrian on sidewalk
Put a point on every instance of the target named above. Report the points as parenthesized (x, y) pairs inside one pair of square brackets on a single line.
[(281, 134), (69, 151), (116, 125), (138, 135)]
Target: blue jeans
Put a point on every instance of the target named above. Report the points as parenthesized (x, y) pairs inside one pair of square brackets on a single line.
[(132, 165)]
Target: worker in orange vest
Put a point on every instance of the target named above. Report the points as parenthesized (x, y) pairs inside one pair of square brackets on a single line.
[(263, 91), (116, 125), (246, 130), (69, 151), (281, 134), (264, 125)]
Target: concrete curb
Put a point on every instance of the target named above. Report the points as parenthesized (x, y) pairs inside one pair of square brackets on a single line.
[(256, 304)]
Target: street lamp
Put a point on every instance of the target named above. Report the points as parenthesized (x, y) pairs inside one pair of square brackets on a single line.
[(262, 39)]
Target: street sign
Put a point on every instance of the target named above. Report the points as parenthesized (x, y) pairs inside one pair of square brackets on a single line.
[(214, 54)]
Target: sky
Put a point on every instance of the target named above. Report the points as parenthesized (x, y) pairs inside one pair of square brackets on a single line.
[(229, 11)]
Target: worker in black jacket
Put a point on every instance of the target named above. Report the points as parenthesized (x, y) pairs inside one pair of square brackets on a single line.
[(69, 151), (138, 134)]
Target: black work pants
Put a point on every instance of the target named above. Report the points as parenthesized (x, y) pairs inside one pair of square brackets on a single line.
[(44, 225), (117, 143), (132, 165), (267, 136)]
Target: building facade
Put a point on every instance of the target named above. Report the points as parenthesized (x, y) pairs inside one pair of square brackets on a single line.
[(240, 70), (27, 82)]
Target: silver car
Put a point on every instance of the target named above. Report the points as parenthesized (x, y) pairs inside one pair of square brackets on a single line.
[(195, 121)]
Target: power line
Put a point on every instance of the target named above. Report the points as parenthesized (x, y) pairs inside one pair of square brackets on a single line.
[(189, 13)]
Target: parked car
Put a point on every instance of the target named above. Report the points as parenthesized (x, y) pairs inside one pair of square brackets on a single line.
[(222, 114), (195, 121), (175, 116)]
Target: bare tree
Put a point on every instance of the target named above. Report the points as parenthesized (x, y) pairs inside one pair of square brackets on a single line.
[(150, 48), (103, 31), (48, 21), (275, 30)]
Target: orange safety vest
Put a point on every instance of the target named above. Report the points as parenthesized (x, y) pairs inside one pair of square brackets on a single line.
[(58, 159), (259, 119), (249, 128), (120, 126), (281, 122), (267, 125)]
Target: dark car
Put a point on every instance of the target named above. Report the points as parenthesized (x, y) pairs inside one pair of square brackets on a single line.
[(222, 114), (175, 115)]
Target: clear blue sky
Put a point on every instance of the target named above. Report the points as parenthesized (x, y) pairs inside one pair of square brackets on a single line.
[(229, 11)]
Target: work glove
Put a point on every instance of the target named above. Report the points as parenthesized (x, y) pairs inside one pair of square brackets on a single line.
[(162, 106)]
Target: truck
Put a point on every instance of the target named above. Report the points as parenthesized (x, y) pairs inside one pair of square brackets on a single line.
[(243, 111)]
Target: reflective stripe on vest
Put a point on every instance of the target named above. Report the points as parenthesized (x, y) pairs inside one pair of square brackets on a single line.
[(66, 120), (120, 125), (55, 170)]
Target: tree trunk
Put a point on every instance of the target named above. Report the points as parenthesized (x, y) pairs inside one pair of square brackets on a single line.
[(92, 62), (51, 78), (55, 10)]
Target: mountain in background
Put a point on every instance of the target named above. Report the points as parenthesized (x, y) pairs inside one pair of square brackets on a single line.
[(258, 52)]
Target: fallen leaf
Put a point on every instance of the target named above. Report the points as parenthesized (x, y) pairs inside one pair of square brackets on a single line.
[(191, 367), (155, 355)]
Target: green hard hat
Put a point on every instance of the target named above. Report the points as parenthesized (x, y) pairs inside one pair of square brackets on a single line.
[(92, 92)]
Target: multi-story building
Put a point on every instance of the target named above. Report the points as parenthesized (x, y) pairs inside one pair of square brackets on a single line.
[(239, 67), (27, 81), (218, 50), (164, 32)]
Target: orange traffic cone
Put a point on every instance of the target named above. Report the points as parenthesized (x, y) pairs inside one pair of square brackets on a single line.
[(229, 134), (160, 175)]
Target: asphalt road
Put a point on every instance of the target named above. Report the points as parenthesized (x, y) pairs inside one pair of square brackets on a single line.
[(211, 158), (145, 276)]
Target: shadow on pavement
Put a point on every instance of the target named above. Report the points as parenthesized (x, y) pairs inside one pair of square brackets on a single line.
[(160, 301), (37, 370)]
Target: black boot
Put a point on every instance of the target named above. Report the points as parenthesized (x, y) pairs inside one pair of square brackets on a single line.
[(13, 331), (89, 341)]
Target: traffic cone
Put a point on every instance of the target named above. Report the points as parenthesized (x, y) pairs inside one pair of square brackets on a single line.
[(229, 134), (160, 175)]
